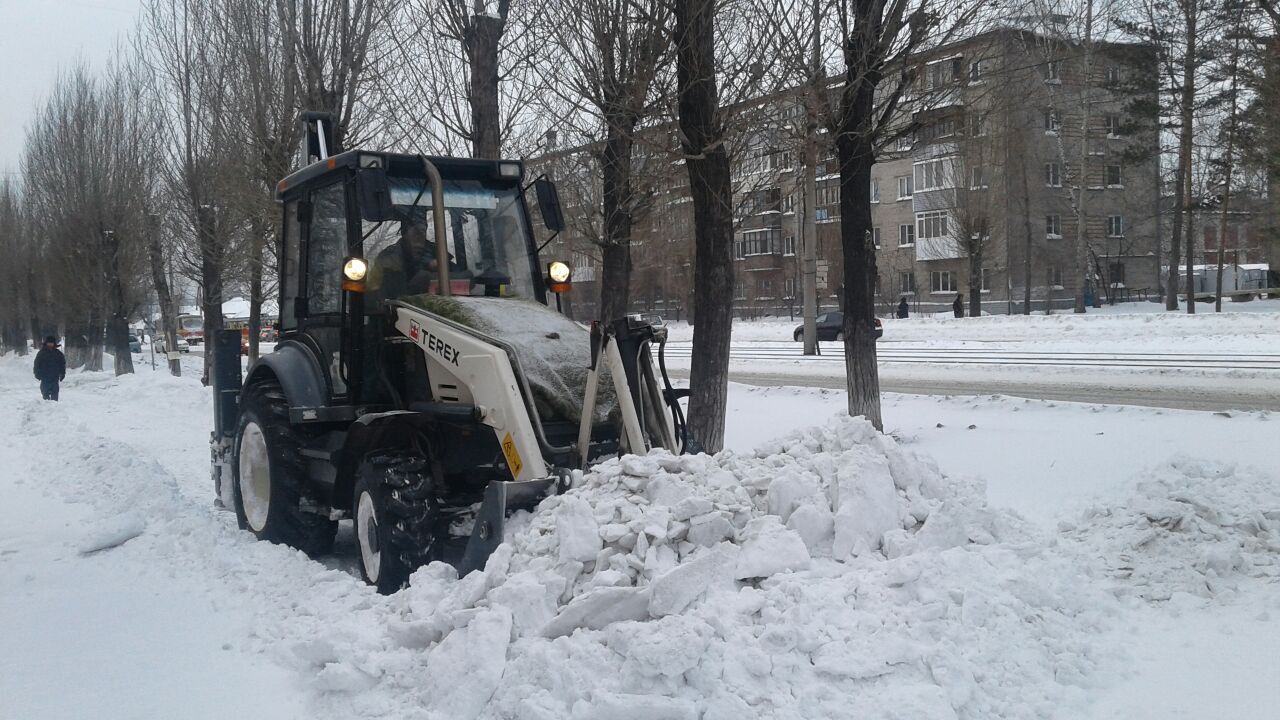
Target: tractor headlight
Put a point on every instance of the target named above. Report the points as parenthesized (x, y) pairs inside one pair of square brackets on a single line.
[(355, 269), (559, 272)]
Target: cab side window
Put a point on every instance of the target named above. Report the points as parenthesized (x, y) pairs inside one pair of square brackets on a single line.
[(326, 248), (289, 267)]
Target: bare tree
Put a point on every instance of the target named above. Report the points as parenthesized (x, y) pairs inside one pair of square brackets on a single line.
[(609, 56), (1179, 29)]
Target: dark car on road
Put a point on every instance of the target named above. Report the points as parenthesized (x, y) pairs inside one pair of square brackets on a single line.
[(830, 326)]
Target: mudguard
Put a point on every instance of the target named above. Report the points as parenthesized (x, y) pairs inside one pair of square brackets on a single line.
[(297, 371)]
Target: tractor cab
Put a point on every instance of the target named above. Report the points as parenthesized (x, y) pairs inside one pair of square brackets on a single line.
[(362, 230)]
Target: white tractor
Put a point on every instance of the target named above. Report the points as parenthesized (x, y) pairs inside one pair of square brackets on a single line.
[(421, 385)]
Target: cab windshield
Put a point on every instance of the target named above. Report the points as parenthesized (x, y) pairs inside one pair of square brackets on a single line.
[(485, 233)]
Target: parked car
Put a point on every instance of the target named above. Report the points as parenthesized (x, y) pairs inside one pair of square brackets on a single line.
[(135, 345), (830, 326), (182, 345)]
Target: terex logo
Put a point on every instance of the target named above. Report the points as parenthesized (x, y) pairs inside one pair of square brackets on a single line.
[(439, 347), (414, 329)]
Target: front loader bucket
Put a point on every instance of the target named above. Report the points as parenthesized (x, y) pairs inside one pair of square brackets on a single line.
[(500, 498)]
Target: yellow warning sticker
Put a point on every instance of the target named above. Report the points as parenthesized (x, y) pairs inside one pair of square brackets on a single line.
[(513, 456)]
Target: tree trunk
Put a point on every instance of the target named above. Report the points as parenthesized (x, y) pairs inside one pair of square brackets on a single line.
[(481, 42), (809, 236), (975, 277), (710, 187), (616, 202), (76, 343), (1186, 149), (855, 149), (96, 332), (118, 310), (168, 320)]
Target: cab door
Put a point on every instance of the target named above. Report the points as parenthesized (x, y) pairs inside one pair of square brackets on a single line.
[(326, 230)]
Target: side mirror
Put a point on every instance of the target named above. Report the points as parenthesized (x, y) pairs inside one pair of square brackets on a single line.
[(549, 204), (374, 194)]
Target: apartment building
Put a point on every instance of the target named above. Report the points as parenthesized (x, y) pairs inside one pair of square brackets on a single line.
[(985, 180)]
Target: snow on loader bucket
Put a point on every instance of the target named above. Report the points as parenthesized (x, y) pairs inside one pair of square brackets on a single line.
[(422, 387)]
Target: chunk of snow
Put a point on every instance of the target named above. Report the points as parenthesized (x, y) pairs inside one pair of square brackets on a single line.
[(770, 548), (113, 533), (577, 531), (464, 670)]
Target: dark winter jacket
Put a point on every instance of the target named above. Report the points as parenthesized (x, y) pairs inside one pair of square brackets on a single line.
[(51, 364), (958, 307)]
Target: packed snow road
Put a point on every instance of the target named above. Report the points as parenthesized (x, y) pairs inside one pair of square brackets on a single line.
[(830, 573)]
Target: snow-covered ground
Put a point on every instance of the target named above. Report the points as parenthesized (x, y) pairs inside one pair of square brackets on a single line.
[(1128, 327), (988, 558)]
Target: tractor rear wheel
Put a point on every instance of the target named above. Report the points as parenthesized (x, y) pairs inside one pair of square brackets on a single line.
[(270, 474), (396, 513)]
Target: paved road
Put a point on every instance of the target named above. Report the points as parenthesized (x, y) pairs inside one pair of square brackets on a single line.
[(1193, 393)]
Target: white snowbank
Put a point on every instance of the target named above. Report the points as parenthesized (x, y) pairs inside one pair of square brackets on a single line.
[(829, 572)]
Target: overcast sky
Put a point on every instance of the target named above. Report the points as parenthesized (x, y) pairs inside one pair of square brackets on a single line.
[(38, 40)]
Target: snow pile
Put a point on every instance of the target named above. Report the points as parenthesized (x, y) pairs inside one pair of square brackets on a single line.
[(1192, 527), (829, 574)]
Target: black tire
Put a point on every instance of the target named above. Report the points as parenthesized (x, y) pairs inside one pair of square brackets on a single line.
[(284, 520), (798, 335), (396, 517)]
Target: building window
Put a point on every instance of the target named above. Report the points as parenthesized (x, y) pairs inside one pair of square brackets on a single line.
[(740, 291), (1116, 274), (875, 190), (1113, 76), (1112, 124), (1052, 120), (829, 194), (906, 283), (1113, 176), (940, 281), (760, 242), (789, 288), (984, 280), (978, 124), (875, 237), (789, 204), (1053, 71), (905, 142), (944, 72), (1055, 277), (906, 235), (978, 178), (930, 175), (975, 71), (789, 245), (1115, 226), (1052, 175), (1053, 227), (931, 225), (904, 187)]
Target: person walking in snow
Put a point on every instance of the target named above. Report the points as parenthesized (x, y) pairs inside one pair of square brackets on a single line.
[(51, 368), (903, 311), (958, 306)]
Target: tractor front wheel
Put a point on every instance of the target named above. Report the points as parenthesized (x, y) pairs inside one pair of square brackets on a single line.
[(395, 513), (269, 476)]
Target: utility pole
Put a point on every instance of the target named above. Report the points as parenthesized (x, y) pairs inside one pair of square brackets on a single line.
[(809, 236), (1082, 237)]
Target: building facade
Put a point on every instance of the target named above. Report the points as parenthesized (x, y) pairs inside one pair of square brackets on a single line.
[(985, 178)]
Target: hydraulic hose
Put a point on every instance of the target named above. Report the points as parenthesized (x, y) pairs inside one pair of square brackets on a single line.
[(676, 410)]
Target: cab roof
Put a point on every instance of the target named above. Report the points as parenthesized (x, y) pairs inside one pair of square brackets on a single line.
[(399, 165)]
